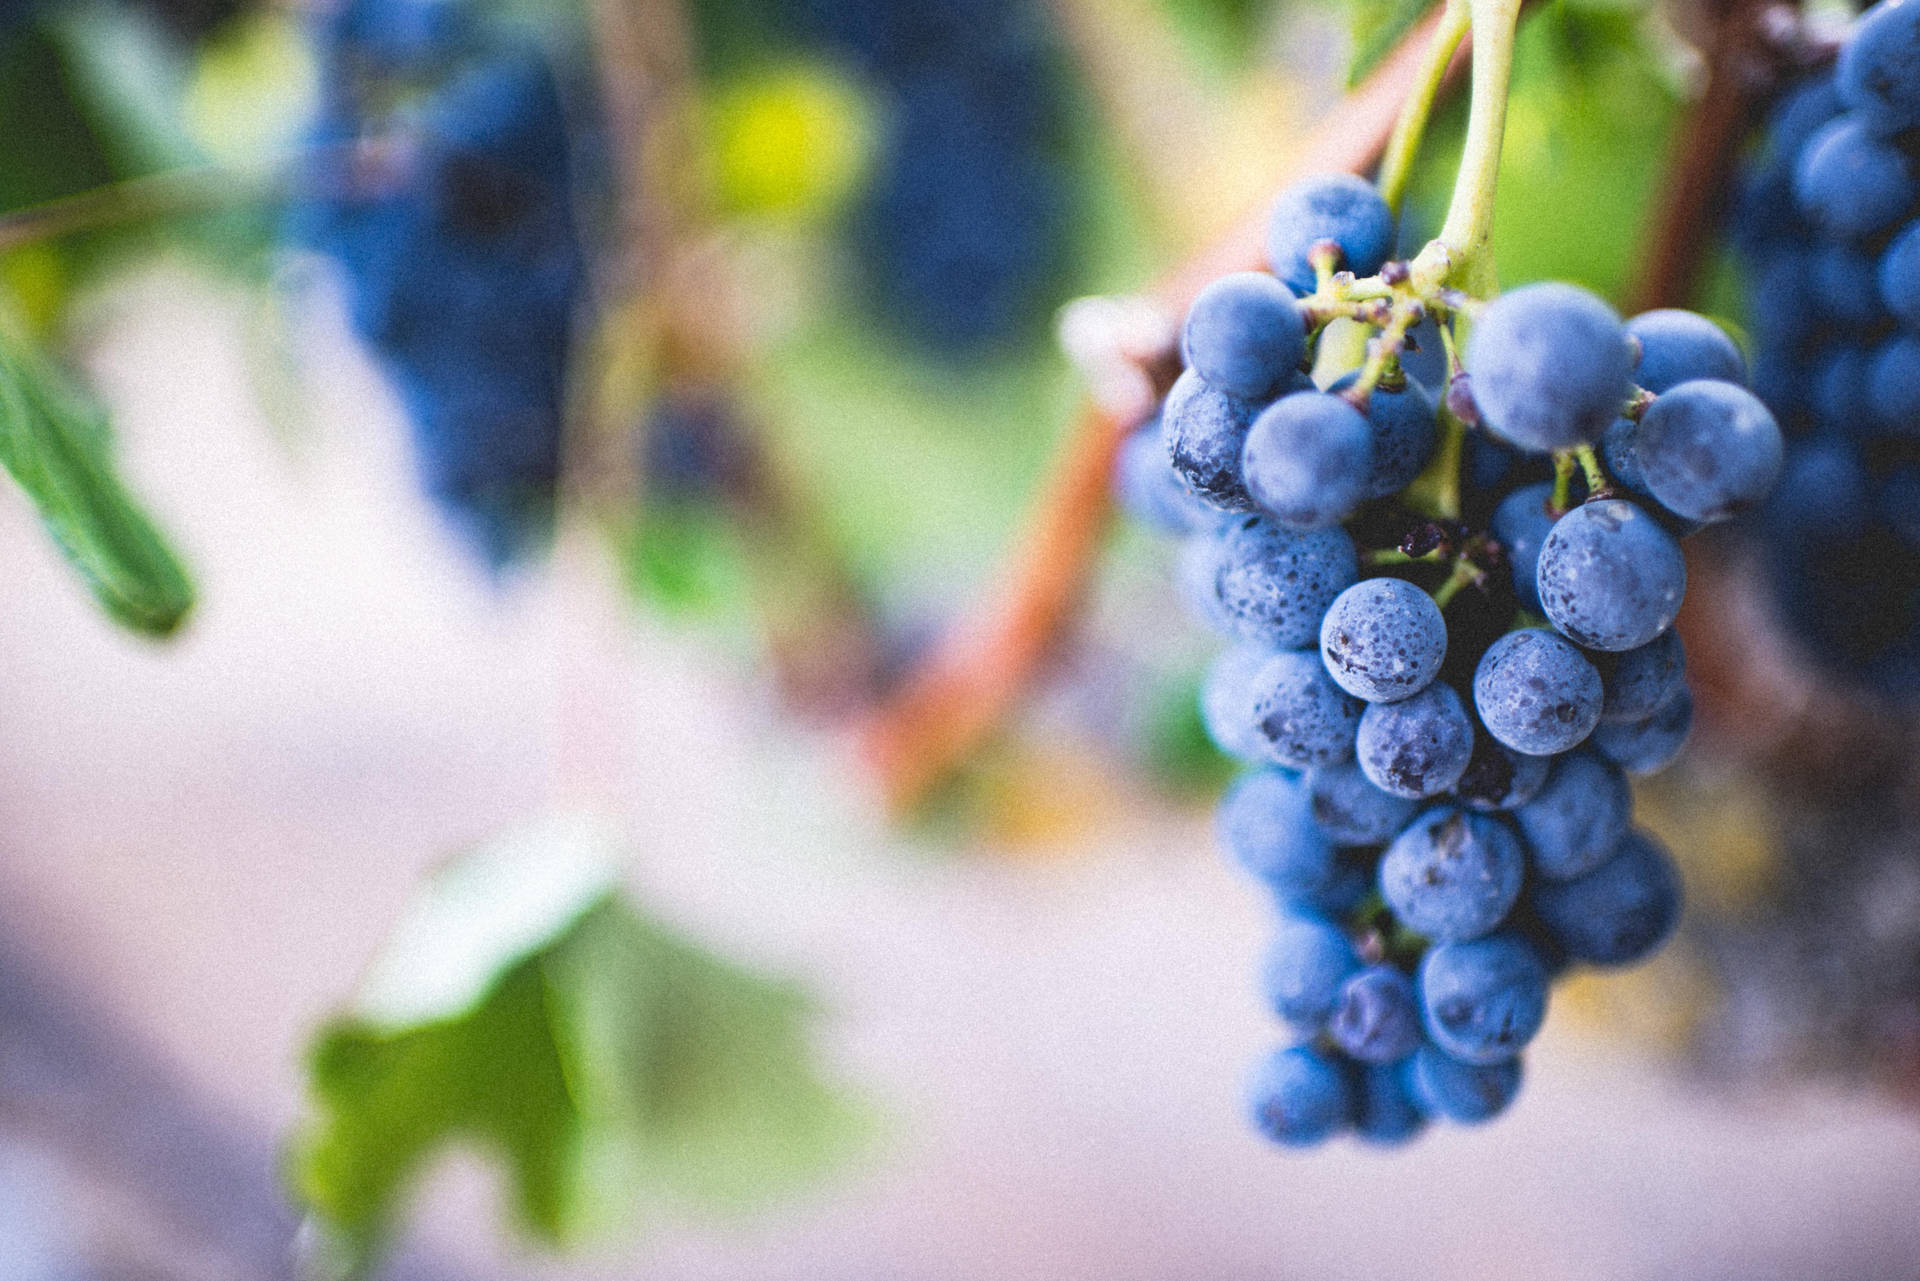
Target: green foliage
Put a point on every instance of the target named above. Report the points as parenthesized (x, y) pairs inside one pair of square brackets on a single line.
[(59, 450), (526, 1009), (1377, 26)]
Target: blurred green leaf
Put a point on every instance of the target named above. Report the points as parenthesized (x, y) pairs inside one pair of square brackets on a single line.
[(1377, 26), (526, 1009), (59, 449)]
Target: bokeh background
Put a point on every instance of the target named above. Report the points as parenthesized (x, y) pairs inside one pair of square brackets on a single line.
[(622, 554)]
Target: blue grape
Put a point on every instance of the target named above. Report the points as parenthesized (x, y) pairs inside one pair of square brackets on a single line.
[(1375, 1017), (1550, 365), (1351, 810), (1385, 1108), (1840, 381), (1302, 717), (1383, 639), (1418, 747), (1677, 346), (410, 36), (1878, 73), (1272, 584), (1782, 321), (1197, 577), (1850, 182), (1305, 971), (1578, 818), (1151, 492), (1499, 778), (1203, 430), (1893, 386), (1649, 745), (1522, 522), (1620, 454), (1898, 276), (1406, 428), (1800, 113), (1226, 701), (1620, 912), (1307, 459), (1483, 1000), (1536, 693), (1610, 578), (1337, 207), (1266, 823), (1244, 335), (1641, 681), (1843, 287), (1298, 1096), (1709, 450), (1452, 875), (1464, 1092)]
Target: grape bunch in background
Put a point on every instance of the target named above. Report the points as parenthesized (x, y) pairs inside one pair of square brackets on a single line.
[(1827, 225), (1444, 667), (443, 186)]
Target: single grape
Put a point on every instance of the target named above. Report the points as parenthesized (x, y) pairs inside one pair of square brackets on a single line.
[(1551, 366), (1578, 818), (1522, 522), (1405, 429), (1303, 718), (1893, 385), (1641, 681), (1337, 207), (1203, 430), (1844, 288), (1648, 746), (1610, 578), (1385, 1109), (1375, 1016), (1898, 276), (1298, 1096), (1483, 1000), (1273, 584), (1383, 639), (1151, 492), (1536, 693), (1852, 183), (1709, 450), (1226, 701), (1244, 335), (1452, 875), (1499, 778), (1350, 809), (1464, 1092), (1878, 74), (1620, 912), (1305, 971), (1307, 458), (1265, 821), (1676, 346), (1418, 747)]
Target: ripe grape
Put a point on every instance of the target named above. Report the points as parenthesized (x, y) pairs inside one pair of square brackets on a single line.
[(1405, 430), (1499, 778), (1337, 207), (1551, 366), (1484, 999), (1610, 578), (1522, 522), (1452, 875), (1639, 682), (1298, 1096), (1375, 1017), (1305, 974), (1385, 1109), (1852, 182), (1879, 69), (1244, 335), (1307, 459), (1272, 584), (1418, 747), (1578, 817), (1648, 745), (1383, 639), (1302, 717), (1536, 693), (1678, 346), (1619, 912), (1709, 450), (1204, 430), (1464, 1092), (1266, 824), (1350, 809)]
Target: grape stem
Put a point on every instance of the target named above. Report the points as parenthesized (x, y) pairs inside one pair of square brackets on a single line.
[(1396, 167), (1563, 468), (1461, 254), (1596, 475), (1465, 573)]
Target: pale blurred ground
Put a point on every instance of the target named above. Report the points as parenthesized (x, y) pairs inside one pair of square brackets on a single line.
[(212, 837)]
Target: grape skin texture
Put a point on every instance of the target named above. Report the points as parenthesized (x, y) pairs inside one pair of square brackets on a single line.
[(1244, 335), (1405, 427), (1536, 693), (1204, 430), (1522, 522), (1677, 346), (1619, 913), (1376, 1017), (1609, 577), (1418, 747), (1305, 972), (1225, 696), (1273, 584), (1851, 183), (1350, 809), (1266, 825), (1578, 818), (1483, 1000), (1879, 68), (1151, 492), (1641, 681), (1452, 875), (1648, 746), (1551, 366), (1337, 207), (1499, 778), (1383, 639), (1709, 450), (1463, 1092), (1306, 460), (1298, 1097), (1303, 718)]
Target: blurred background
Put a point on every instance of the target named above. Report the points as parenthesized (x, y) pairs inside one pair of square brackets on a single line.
[(583, 428)]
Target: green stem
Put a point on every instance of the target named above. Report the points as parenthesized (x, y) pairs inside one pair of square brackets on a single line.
[(1464, 572), (1596, 475), (1460, 254), (1396, 166), (1563, 465)]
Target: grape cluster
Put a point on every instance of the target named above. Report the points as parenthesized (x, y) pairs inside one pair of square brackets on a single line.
[(1827, 226), (964, 233), (445, 190), (1440, 699)]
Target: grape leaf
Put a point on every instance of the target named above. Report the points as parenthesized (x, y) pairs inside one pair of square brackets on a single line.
[(1377, 26), (58, 448), (608, 1063)]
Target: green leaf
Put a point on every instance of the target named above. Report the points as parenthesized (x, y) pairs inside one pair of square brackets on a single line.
[(1377, 26), (524, 1008), (59, 449)]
